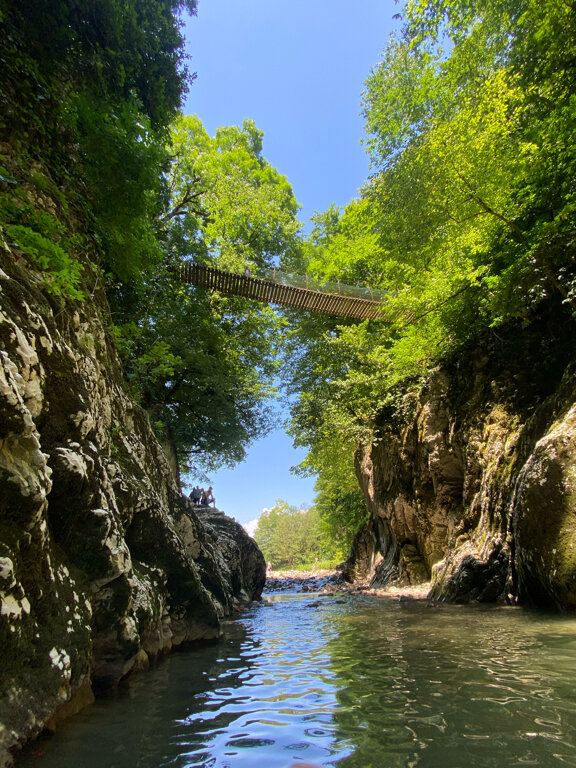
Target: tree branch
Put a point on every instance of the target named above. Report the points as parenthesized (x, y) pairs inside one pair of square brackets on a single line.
[(483, 204), (181, 208)]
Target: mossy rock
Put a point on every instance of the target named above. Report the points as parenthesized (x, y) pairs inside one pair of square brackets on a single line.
[(544, 521)]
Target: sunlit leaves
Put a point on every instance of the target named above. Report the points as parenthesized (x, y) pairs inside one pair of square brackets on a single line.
[(205, 364), (228, 200), (398, 101), (468, 220), (345, 245), (290, 537)]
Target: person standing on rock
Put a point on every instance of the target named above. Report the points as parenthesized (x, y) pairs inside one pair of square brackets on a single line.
[(208, 498)]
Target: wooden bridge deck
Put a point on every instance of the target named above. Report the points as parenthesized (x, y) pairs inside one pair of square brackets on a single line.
[(271, 292)]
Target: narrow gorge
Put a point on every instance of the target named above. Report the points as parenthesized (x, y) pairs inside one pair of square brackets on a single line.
[(438, 424)]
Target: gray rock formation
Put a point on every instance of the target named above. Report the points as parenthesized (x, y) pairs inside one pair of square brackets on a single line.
[(474, 490), (104, 564), (238, 556)]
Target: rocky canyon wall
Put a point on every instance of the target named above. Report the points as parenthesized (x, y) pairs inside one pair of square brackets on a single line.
[(104, 564), (471, 480)]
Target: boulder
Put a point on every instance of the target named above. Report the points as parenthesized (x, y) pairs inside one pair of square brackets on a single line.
[(237, 554)]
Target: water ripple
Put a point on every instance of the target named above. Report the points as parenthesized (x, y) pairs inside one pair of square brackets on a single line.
[(368, 682)]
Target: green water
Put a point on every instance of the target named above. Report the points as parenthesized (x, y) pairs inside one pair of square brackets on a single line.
[(357, 682)]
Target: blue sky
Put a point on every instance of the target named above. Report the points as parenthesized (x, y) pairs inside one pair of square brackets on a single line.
[(297, 69)]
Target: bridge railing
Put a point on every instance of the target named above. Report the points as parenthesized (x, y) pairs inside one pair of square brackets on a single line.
[(329, 286)]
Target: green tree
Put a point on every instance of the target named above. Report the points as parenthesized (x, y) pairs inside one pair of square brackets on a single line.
[(466, 223), (469, 168), (87, 91), (202, 364), (229, 206), (291, 537)]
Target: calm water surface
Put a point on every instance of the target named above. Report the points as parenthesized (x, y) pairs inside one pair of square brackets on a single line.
[(358, 682)]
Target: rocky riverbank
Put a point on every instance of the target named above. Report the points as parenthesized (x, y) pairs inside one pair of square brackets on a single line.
[(329, 582), (104, 564), (302, 581)]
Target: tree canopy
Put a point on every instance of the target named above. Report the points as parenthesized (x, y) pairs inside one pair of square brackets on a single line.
[(466, 223), (88, 91), (204, 365)]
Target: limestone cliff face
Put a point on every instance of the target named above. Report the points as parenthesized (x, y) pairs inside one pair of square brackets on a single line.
[(474, 489), (104, 564)]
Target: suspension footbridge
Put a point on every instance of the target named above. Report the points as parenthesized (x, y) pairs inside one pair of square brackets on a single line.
[(289, 291)]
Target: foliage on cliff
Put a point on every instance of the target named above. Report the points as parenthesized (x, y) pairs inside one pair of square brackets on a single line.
[(87, 93), (467, 221)]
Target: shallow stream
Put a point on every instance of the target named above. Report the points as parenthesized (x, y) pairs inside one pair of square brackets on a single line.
[(356, 681)]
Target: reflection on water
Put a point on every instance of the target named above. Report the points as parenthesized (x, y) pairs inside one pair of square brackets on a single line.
[(456, 686), (361, 682)]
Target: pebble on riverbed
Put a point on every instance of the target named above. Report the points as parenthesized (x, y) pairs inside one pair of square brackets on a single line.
[(304, 581), (332, 582)]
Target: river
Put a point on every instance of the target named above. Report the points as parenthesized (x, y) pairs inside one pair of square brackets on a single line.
[(357, 681)]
